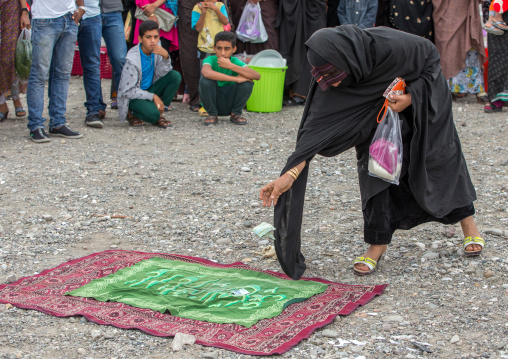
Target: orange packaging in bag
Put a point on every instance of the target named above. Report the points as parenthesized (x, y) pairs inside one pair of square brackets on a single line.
[(397, 87)]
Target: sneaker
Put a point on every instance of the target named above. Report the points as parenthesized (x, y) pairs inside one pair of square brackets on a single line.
[(94, 121), (39, 136), (64, 131)]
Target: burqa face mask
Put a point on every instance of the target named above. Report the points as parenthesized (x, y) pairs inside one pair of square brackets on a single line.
[(324, 73)]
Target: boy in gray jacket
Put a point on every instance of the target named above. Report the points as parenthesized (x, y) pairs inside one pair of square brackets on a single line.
[(148, 82)]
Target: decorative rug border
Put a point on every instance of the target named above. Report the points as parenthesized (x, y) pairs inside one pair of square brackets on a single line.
[(303, 334)]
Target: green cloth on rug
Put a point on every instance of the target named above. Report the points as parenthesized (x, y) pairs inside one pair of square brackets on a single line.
[(211, 294)]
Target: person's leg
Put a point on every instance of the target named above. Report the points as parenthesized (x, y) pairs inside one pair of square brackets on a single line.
[(113, 33), (89, 42), (166, 87), (45, 34), (187, 40), (60, 72), (469, 229), (145, 110), (243, 92), (209, 90)]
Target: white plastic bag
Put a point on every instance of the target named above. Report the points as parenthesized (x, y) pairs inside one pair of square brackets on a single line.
[(251, 27), (385, 151)]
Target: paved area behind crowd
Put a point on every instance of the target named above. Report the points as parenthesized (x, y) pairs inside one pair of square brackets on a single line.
[(194, 190)]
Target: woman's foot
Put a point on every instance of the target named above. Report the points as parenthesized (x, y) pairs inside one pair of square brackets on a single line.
[(4, 111), (491, 29), (491, 107), (470, 230), (19, 109), (375, 251)]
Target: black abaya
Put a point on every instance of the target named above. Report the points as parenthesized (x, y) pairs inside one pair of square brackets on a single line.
[(340, 118)]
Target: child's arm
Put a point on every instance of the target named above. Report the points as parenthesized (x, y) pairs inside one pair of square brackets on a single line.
[(210, 74), (222, 18), (244, 71), (201, 21)]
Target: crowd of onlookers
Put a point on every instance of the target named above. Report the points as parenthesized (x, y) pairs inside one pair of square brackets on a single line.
[(161, 48)]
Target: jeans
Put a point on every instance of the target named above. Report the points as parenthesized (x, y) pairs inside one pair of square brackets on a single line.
[(89, 42), (53, 42), (114, 36)]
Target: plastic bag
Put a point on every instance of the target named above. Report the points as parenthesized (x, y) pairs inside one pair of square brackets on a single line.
[(23, 62), (385, 151), (251, 27)]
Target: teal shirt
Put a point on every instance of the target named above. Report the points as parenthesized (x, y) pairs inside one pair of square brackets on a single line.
[(212, 61), (147, 68)]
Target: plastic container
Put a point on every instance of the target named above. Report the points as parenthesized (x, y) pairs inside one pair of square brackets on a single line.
[(106, 68), (268, 91)]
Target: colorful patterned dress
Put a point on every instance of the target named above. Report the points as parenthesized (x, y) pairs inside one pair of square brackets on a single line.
[(10, 29), (470, 78)]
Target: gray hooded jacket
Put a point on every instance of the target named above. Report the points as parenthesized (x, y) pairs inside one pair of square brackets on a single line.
[(130, 82)]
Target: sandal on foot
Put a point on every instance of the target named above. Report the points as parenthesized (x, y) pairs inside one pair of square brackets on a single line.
[(369, 262), (3, 115), (491, 108), (501, 25), (238, 119), (202, 112), (470, 240), (20, 111), (134, 121), (493, 30), (195, 108), (163, 123), (211, 120)]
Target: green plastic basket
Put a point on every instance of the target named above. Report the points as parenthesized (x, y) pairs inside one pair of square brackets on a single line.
[(268, 91)]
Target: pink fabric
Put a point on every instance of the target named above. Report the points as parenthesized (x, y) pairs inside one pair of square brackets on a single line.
[(171, 35), (385, 154)]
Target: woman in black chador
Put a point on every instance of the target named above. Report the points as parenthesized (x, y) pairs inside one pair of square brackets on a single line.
[(352, 68)]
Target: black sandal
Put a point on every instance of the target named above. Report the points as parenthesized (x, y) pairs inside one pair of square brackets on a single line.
[(163, 123), (195, 108), (211, 120), (134, 121), (238, 119)]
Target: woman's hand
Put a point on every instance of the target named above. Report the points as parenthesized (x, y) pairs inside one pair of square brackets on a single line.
[(400, 102), (149, 9), (270, 193), (24, 22)]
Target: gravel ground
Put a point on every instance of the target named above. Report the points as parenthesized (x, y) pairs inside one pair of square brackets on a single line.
[(194, 190)]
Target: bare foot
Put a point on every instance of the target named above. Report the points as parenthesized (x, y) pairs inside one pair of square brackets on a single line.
[(375, 251)]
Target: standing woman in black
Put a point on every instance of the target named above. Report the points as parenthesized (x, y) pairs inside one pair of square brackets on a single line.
[(351, 69)]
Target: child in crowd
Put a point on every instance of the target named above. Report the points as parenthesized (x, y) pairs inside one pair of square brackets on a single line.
[(226, 82), (208, 18), (361, 13), (495, 24), (148, 82)]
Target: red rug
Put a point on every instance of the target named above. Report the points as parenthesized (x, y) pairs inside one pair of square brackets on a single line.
[(44, 292)]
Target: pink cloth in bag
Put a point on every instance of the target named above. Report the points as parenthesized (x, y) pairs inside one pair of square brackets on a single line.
[(385, 154)]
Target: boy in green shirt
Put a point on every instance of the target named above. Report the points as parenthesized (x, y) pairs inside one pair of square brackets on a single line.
[(226, 82)]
